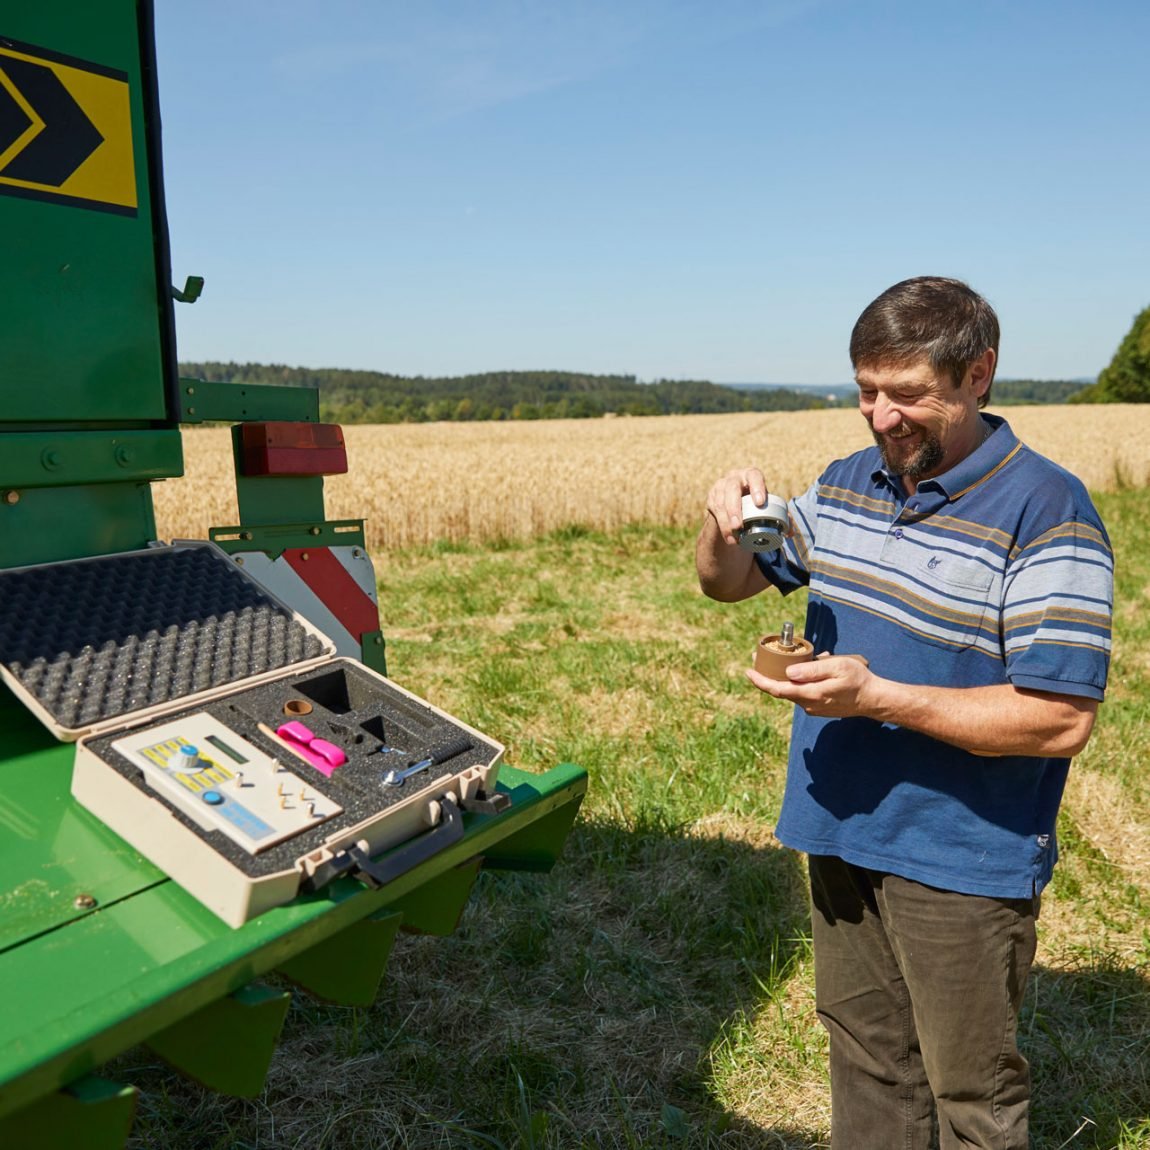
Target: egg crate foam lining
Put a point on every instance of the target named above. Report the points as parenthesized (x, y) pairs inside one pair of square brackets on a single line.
[(94, 639)]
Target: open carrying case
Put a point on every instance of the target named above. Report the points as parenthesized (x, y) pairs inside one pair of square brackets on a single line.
[(217, 732)]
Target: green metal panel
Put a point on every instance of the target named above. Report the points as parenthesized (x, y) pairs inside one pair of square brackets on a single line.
[(93, 1114), (276, 538), (58, 862), (68, 458), (116, 977), (536, 846), (79, 275), (374, 651), (201, 401), (49, 524), (437, 906), (227, 1045), (347, 969), (280, 500)]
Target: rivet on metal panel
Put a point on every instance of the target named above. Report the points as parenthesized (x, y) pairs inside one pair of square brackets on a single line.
[(305, 555), (84, 902), (11, 497), (124, 455), (246, 536), (315, 530), (189, 391), (51, 459), (240, 560)]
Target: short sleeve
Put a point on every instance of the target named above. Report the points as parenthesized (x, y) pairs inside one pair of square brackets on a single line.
[(1058, 603), (788, 568)]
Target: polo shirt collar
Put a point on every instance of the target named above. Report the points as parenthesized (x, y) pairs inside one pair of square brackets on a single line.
[(968, 472)]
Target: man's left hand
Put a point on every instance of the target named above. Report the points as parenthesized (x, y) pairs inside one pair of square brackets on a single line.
[(830, 686)]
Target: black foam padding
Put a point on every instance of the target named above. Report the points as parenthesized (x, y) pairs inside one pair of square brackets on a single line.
[(97, 638), (384, 717)]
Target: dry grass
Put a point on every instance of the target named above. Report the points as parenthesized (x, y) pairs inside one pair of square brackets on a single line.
[(418, 483)]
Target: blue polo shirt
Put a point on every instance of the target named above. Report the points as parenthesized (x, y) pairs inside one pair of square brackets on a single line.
[(998, 571)]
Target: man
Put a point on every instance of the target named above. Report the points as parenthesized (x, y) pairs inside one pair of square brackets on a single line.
[(976, 578)]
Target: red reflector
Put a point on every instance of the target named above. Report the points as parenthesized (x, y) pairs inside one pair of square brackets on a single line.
[(283, 448)]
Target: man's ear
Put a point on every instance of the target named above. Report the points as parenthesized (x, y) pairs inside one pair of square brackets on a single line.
[(981, 372)]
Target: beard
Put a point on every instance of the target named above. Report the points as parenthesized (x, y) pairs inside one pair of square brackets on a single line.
[(916, 462)]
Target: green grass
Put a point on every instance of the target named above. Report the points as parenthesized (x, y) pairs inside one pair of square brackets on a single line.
[(655, 989)]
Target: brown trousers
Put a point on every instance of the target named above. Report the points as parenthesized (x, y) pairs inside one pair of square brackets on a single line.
[(920, 991)]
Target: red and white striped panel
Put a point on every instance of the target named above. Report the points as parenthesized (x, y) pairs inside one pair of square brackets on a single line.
[(333, 588)]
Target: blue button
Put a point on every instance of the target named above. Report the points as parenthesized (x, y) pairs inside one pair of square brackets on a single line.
[(212, 798), (898, 532)]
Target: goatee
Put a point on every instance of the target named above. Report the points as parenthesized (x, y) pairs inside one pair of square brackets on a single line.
[(923, 460)]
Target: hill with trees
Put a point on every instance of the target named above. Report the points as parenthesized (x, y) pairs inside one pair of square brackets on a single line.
[(1126, 379), (348, 396), (376, 397), (1011, 392)]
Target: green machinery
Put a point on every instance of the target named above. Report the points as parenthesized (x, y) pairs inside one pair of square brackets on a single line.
[(99, 949)]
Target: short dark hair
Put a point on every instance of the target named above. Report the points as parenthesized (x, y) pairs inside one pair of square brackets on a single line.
[(928, 317)]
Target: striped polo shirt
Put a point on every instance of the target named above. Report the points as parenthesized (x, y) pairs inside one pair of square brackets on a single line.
[(997, 571)]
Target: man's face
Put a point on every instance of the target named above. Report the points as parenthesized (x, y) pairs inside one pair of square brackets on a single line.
[(923, 424)]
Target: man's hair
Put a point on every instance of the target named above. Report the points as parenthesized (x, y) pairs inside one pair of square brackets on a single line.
[(929, 317)]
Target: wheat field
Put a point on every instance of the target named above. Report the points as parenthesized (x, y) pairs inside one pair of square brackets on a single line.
[(415, 484)]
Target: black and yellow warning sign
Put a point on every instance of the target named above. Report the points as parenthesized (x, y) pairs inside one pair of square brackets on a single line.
[(65, 130)]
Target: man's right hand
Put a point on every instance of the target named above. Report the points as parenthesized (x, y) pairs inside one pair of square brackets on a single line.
[(725, 499), (726, 571)]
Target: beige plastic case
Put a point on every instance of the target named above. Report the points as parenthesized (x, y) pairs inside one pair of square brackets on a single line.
[(203, 782)]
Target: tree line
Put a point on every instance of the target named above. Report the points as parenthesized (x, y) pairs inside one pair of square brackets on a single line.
[(1012, 392), (348, 396)]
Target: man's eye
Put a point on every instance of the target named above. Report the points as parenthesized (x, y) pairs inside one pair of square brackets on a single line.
[(867, 396)]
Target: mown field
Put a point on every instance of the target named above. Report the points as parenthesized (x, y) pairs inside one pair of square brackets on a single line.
[(655, 990)]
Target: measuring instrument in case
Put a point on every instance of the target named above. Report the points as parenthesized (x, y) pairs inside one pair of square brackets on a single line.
[(218, 733)]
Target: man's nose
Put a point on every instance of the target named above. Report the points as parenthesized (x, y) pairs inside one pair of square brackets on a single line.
[(885, 415)]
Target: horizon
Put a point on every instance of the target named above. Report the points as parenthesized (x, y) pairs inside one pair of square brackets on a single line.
[(845, 383)]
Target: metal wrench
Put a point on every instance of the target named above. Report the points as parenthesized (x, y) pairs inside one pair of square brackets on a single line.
[(396, 776)]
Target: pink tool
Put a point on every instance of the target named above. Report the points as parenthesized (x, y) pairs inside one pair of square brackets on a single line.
[(322, 755)]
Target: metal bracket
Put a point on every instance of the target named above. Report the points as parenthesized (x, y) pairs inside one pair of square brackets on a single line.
[(193, 286)]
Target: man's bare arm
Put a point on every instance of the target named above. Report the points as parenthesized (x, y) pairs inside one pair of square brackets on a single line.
[(993, 720)]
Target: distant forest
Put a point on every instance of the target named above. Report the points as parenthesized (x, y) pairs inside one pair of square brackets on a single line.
[(375, 397), (1015, 391)]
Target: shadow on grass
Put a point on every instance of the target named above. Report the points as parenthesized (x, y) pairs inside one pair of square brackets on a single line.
[(1086, 1030), (642, 995), (613, 1003)]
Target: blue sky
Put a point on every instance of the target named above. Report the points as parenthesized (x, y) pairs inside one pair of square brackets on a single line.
[(668, 188)]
